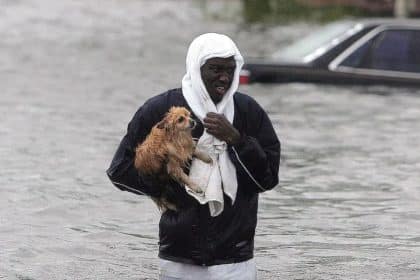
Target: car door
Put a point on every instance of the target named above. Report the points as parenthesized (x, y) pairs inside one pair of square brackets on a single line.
[(385, 55)]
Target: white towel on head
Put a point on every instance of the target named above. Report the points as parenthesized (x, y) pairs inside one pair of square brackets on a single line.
[(221, 175)]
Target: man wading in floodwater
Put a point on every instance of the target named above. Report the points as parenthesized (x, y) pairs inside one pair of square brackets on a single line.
[(210, 236)]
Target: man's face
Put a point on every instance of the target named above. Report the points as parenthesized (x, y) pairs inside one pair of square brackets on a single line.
[(217, 75)]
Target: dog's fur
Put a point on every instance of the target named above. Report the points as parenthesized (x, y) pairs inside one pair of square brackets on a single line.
[(168, 149)]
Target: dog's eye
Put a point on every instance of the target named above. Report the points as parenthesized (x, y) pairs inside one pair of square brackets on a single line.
[(181, 119)]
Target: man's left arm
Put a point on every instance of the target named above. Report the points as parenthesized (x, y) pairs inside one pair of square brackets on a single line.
[(259, 155)]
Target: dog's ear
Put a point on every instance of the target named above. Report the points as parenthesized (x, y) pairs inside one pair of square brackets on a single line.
[(161, 124)]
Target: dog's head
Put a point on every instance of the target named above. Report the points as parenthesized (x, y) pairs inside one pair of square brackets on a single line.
[(177, 119)]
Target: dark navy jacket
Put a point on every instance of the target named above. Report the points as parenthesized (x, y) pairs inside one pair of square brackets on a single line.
[(191, 235)]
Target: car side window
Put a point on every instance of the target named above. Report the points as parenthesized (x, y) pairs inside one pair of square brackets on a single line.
[(414, 52), (356, 59), (390, 50)]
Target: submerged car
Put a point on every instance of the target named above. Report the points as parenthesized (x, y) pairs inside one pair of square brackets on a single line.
[(346, 52)]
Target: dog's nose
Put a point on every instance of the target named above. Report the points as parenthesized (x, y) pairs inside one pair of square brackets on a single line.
[(192, 123)]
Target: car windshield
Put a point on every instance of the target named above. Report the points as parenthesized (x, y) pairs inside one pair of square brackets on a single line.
[(316, 44)]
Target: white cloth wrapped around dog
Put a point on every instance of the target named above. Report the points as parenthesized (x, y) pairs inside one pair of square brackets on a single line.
[(221, 175)]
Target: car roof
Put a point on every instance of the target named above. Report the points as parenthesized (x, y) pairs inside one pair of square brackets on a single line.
[(373, 22)]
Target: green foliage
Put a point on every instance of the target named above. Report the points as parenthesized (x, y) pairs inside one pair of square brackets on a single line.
[(256, 10), (290, 10)]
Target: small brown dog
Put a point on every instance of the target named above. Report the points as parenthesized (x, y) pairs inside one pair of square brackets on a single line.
[(168, 148)]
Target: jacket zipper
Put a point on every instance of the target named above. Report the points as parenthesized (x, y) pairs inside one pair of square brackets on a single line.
[(247, 171)]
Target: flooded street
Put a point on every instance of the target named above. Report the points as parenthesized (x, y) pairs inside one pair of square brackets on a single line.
[(73, 73)]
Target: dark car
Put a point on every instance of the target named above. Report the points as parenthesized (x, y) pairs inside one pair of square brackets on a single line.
[(347, 52)]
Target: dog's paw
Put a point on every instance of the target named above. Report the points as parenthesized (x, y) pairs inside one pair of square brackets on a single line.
[(198, 192), (196, 189), (207, 159), (203, 156)]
